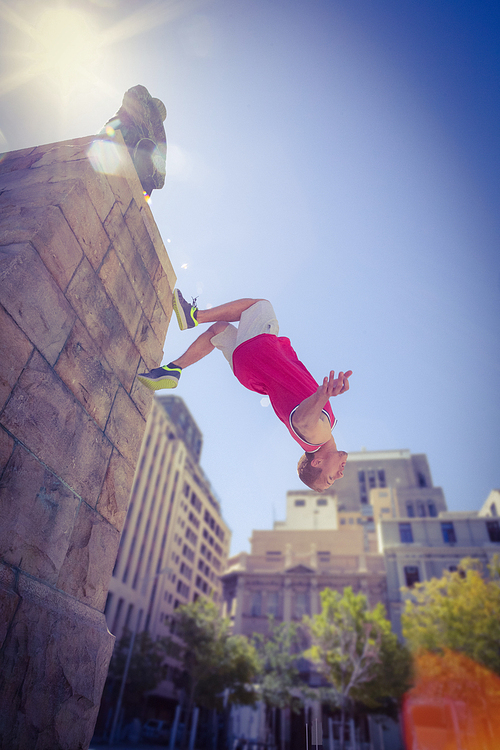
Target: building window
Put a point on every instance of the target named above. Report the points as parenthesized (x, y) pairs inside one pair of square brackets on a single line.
[(410, 512), (448, 532), (422, 481), (432, 509), (405, 533), (299, 503), (420, 509), (412, 575), (493, 528), (301, 602), (273, 603), (381, 478), (256, 606), (322, 501), (371, 480), (493, 510)]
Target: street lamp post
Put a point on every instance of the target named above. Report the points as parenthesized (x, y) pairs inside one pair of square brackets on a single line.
[(127, 663)]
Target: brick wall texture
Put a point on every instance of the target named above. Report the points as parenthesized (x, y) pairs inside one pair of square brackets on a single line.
[(85, 302)]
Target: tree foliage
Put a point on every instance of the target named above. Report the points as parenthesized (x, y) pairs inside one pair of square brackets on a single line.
[(213, 660), (460, 611), (279, 676), (357, 652), (146, 670)]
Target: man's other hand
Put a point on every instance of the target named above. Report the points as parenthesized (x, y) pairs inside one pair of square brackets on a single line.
[(334, 386)]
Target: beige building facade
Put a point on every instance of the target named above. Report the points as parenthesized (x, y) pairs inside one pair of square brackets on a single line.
[(175, 542)]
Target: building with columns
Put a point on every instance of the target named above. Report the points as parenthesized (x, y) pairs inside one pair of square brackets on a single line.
[(291, 564)]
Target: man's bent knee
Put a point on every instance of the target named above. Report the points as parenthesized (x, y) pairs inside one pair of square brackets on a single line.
[(218, 327)]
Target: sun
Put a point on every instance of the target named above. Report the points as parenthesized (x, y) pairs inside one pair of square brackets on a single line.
[(66, 47)]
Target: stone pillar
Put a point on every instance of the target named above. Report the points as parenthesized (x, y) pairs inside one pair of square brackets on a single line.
[(85, 301)]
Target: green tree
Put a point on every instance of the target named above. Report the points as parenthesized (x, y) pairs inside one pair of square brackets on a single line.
[(146, 670), (358, 653), (460, 611), (279, 677), (213, 660)]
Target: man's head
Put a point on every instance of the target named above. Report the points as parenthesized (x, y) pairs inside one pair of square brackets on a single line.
[(319, 470)]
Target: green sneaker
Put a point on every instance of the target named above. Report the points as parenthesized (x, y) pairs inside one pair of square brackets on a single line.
[(186, 313), (166, 376)]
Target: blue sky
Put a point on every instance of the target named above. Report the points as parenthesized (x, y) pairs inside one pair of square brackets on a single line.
[(338, 158)]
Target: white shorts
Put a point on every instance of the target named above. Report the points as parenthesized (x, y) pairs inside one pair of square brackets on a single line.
[(257, 319)]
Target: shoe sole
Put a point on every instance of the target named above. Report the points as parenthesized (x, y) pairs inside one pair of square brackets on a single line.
[(181, 318), (158, 384)]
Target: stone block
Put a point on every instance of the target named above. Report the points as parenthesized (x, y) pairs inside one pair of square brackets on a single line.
[(164, 290), (115, 493), (87, 374), (149, 345), (41, 310), (9, 600), (49, 233), (15, 350), (38, 512), (90, 558), (125, 249), (85, 223), (140, 395), (14, 160), (120, 290), (41, 194), (43, 414), (142, 240), (54, 664), (159, 319), (103, 322), (96, 184), (6, 448), (125, 428), (157, 241)]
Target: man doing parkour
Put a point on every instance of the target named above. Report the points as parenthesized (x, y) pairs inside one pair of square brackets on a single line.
[(266, 363)]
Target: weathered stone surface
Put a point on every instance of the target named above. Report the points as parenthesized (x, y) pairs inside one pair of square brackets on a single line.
[(35, 534), (141, 238), (164, 290), (9, 600), (132, 262), (103, 322), (41, 311), (85, 223), (90, 558), (42, 406), (96, 184), (119, 288), (87, 374), (115, 493), (6, 448), (49, 232), (159, 319), (55, 660), (157, 241), (148, 344), (15, 350), (126, 427), (141, 396), (41, 194)]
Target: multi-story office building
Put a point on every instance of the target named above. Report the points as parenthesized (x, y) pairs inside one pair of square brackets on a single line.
[(407, 476), (175, 543)]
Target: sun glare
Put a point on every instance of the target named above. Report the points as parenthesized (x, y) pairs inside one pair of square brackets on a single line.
[(66, 47)]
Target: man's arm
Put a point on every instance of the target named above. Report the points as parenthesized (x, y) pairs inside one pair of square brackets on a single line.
[(308, 419)]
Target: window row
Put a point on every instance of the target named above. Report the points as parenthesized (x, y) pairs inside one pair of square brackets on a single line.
[(448, 532)]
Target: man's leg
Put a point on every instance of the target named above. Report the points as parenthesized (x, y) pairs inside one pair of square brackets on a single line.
[(168, 376), (230, 312)]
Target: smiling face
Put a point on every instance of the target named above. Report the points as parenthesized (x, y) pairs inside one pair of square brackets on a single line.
[(332, 465)]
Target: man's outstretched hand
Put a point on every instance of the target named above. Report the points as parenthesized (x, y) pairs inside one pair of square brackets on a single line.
[(334, 386)]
